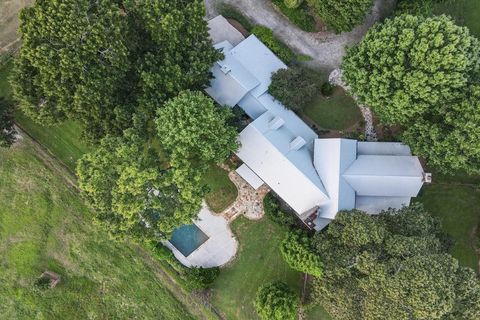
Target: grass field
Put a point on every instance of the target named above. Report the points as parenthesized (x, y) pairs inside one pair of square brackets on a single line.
[(258, 262), (338, 112), (45, 226), (222, 190), (62, 140), (465, 12)]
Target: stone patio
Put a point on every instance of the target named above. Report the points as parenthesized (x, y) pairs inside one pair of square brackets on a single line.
[(249, 201)]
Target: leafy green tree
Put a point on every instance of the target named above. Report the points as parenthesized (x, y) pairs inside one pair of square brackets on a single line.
[(422, 74), (392, 266), (304, 81), (297, 251), (7, 132), (100, 62), (276, 301), (341, 15), (132, 195), (194, 130)]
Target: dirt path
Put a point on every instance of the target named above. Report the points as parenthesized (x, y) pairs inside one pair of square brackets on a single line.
[(326, 48)]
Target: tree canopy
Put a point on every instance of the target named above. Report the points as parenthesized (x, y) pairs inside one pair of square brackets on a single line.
[(145, 191), (295, 87), (132, 192), (341, 15), (297, 251), (276, 301), (7, 132), (101, 62), (422, 74), (393, 266), (193, 129)]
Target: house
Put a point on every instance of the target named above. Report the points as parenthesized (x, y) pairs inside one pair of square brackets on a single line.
[(315, 177)]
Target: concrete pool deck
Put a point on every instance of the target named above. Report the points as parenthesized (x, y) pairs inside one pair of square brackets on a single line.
[(218, 250)]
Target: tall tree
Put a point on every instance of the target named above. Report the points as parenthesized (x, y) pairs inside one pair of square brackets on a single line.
[(133, 193), (422, 74), (276, 301), (341, 15), (392, 266), (7, 132), (194, 130), (100, 62), (297, 251)]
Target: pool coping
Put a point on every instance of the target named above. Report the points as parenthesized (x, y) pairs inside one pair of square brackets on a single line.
[(205, 233), (218, 250)]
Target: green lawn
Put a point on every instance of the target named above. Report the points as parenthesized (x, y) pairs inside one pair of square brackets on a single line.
[(62, 140), (222, 190), (459, 209), (44, 225), (465, 12), (338, 112), (258, 262)]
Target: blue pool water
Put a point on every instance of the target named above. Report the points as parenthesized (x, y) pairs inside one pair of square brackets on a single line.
[(187, 238)]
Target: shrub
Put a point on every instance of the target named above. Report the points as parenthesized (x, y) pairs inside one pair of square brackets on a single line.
[(299, 16), (298, 253), (295, 87), (231, 12), (276, 301), (200, 278), (327, 89), (293, 4), (161, 252), (275, 214), (278, 47)]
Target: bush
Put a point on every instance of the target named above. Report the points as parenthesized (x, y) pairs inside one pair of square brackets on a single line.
[(276, 301), (278, 47), (161, 252), (292, 4), (200, 278), (295, 87), (299, 16), (327, 89), (274, 212), (231, 12)]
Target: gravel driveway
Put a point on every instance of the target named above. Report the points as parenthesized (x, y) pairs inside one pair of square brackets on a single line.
[(326, 48)]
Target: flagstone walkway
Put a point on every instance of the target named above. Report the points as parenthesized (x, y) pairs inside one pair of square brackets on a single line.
[(249, 201)]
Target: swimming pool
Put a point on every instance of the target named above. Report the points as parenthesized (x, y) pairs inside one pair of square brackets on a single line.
[(188, 238)]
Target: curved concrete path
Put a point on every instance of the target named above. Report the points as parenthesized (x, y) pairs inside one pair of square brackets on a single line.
[(326, 48), (220, 247)]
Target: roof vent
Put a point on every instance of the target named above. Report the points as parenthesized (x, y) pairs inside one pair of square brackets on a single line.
[(297, 143), (276, 123), (225, 69)]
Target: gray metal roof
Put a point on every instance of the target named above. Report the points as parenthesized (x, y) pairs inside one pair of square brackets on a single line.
[(284, 152)]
